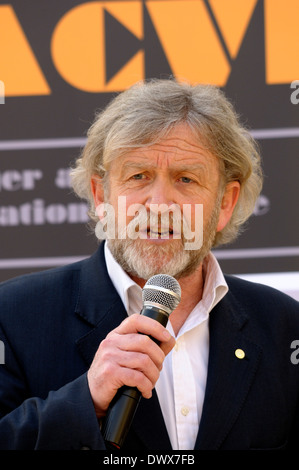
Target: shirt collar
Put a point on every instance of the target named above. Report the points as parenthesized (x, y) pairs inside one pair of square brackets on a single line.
[(120, 279), (215, 286)]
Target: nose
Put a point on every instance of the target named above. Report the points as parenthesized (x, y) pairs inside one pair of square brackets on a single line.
[(160, 193)]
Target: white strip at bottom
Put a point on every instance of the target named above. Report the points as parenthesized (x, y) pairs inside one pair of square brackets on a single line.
[(275, 252), (287, 282), (23, 263), (70, 142)]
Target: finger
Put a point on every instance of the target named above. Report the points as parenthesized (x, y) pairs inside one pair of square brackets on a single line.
[(103, 386), (142, 363), (136, 343), (166, 346), (133, 351), (135, 378), (137, 323), (147, 326)]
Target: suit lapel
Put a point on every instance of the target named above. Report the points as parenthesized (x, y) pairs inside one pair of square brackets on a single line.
[(229, 377), (100, 306), (90, 342)]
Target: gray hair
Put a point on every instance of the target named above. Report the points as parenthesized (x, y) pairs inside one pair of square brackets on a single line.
[(146, 112)]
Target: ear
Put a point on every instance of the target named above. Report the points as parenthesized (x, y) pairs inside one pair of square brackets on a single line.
[(229, 201), (97, 189)]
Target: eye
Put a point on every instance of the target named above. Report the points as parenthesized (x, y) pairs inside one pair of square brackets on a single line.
[(138, 176), (185, 179)]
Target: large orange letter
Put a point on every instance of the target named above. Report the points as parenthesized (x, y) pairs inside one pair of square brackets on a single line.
[(19, 69), (281, 41), (78, 46)]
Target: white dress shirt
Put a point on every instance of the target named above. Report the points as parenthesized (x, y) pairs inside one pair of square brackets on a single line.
[(181, 385)]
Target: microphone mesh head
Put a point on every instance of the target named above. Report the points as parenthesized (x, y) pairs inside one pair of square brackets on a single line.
[(163, 290)]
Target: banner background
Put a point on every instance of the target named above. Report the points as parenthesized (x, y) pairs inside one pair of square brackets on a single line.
[(60, 61)]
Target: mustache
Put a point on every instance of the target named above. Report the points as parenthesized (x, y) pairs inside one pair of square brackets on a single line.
[(156, 224), (158, 221)]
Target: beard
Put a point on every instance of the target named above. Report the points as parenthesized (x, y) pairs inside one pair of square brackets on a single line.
[(143, 258)]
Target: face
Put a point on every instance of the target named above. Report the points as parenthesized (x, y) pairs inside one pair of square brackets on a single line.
[(179, 173)]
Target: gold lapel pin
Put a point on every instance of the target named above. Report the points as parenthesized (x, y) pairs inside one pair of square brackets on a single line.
[(239, 353)]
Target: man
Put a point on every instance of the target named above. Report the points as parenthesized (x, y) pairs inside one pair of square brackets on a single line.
[(222, 376)]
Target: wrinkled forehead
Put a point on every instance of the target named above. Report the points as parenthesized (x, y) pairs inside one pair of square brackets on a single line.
[(181, 145)]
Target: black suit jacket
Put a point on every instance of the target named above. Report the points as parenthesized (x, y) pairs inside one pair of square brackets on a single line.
[(51, 324)]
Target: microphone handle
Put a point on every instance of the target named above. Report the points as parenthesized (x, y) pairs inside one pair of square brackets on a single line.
[(122, 408)]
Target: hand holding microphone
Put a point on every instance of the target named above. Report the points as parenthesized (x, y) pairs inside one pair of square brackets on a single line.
[(128, 358)]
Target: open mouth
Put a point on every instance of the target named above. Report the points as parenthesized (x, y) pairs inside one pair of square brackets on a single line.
[(160, 233)]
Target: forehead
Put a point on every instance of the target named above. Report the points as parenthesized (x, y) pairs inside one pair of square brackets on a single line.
[(181, 145)]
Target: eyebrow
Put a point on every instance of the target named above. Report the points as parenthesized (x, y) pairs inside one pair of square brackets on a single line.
[(134, 164), (131, 165), (143, 165)]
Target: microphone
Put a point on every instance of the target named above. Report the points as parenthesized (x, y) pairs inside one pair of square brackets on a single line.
[(160, 295)]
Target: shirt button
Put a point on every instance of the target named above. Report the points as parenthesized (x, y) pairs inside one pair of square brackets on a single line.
[(184, 410), (176, 347)]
